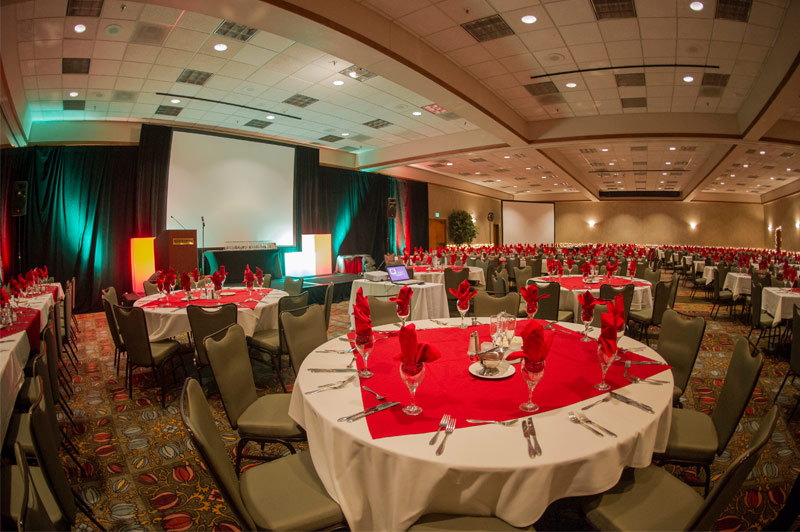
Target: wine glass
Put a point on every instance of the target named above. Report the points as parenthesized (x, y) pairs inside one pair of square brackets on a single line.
[(620, 334), (587, 314), (605, 362), (462, 311), (412, 375), (404, 317), (510, 327), (531, 308), (248, 283), (532, 372), (260, 283), (364, 346), (495, 328)]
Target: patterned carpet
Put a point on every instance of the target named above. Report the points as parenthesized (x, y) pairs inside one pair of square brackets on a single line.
[(141, 472)]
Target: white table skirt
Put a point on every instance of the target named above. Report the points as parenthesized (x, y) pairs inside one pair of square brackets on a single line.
[(708, 274), (738, 283), (163, 323), (568, 300), (388, 483), (14, 351), (476, 273), (429, 299), (778, 302)]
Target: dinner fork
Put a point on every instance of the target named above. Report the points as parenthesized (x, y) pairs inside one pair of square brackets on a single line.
[(442, 424), (635, 380), (451, 426), (506, 423), (572, 417), (333, 386)]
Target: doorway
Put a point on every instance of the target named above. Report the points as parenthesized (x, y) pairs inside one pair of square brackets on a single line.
[(437, 233), (495, 234)]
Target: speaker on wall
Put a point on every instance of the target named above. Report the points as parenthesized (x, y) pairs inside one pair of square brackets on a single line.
[(19, 198), (391, 208), (490, 217)]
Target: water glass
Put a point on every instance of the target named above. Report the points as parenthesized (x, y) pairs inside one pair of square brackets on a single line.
[(532, 372), (364, 346), (586, 317), (462, 311), (510, 327), (605, 362), (412, 375)]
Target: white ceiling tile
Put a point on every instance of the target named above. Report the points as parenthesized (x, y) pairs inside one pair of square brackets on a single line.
[(75, 48), (206, 63), (573, 96), (141, 53), (740, 81), (763, 14), (222, 83), (32, 82), (28, 68), (183, 39), (210, 94), (487, 69), (109, 50), (120, 107), (121, 9), (49, 8), (514, 19), (728, 30), (48, 28), (685, 91), (624, 49), (25, 30), (101, 82), (659, 91), (599, 80), (581, 33), (48, 82), (312, 73), (302, 53), (723, 50), (655, 8), (501, 82), (128, 84), (265, 76), (198, 22), (233, 45), (235, 69), (134, 70), (588, 52), (504, 47), (658, 47), (269, 41), (121, 34), (43, 67), (76, 81), (25, 10), (619, 29), (450, 39), (557, 57), (747, 68), (470, 55), (165, 73), (426, 21), (658, 28), (545, 39), (45, 49), (692, 28), (605, 94), (284, 63), (159, 14), (759, 35), (688, 48), (104, 67), (292, 85), (25, 50), (253, 55), (145, 109), (751, 52), (570, 12), (462, 11), (174, 58)]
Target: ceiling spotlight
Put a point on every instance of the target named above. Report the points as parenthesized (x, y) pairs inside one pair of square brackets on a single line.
[(528, 19), (571, 85), (73, 94), (270, 117), (449, 164), (175, 100), (506, 157), (417, 113), (771, 178), (497, 180), (762, 152), (220, 47), (345, 134), (663, 173), (544, 177), (477, 173), (688, 79), (528, 168), (693, 225), (338, 82), (745, 166), (667, 162), (733, 175), (611, 164), (672, 148), (353, 74), (603, 149), (722, 182), (79, 28), (696, 6), (788, 169)]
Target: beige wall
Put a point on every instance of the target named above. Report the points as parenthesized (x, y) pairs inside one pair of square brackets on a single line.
[(446, 200), (661, 222), (784, 213)]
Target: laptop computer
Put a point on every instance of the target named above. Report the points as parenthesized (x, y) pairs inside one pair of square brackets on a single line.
[(399, 275)]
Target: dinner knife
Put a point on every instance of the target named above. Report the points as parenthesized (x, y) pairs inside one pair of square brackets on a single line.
[(331, 370), (632, 402), (535, 439), (368, 411), (644, 362)]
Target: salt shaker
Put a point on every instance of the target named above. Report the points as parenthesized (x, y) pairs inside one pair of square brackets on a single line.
[(474, 345)]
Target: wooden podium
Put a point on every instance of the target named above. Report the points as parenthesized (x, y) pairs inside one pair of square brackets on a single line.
[(176, 248)]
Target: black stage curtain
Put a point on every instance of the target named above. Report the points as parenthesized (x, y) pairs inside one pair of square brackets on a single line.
[(306, 164), (152, 174), (416, 193)]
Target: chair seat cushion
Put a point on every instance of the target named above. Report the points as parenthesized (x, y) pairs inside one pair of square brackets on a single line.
[(435, 522), (566, 315), (692, 437), (287, 494), (644, 315), (644, 499), (725, 295), (268, 416), (163, 350), (765, 320), (267, 340)]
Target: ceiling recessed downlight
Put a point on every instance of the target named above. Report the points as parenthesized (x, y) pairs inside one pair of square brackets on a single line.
[(338, 82), (762, 152), (603, 149), (529, 19), (345, 134), (353, 74), (449, 164), (696, 6), (571, 85), (417, 113), (688, 79), (73, 94), (220, 47), (672, 148), (270, 117), (175, 100), (79, 28)]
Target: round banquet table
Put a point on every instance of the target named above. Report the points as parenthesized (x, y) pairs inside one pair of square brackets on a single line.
[(573, 285), (167, 321), (385, 475), (430, 275)]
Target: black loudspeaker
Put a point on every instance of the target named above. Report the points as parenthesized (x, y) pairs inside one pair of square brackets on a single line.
[(19, 198), (490, 216), (391, 208)]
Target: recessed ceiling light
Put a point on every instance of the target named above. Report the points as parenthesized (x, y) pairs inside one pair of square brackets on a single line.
[(175, 100), (722, 182), (661, 182), (611, 164), (603, 149), (672, 148), (477, 173), (771, 178), (345, 134), (220, 47), (417, 113), (788, 169), (270, 117), (353, 74), (745, 166), (449, 164), (619, 182), (338, 82), (515, 186), (733, 175), (762, 152), (73, 94), (688, 79), (667, 162), (544, 177), (696, 6), (571, 85), (506, 157), (528, 168), (497, 180), (79, 28), (663, 173), (528, 19)]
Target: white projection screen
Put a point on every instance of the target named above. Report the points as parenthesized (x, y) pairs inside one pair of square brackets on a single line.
[(528, 223), (243, 188)]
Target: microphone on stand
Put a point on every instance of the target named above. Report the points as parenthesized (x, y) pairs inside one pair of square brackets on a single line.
[(176, 220), (203, 247)]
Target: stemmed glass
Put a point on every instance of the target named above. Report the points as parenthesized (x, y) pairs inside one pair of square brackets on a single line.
[(404, 317), (496, 328), (532, 373), (463, 312), (605, 362), (249, 286), (620, 334), (531, 308), (364, 346), (586, 318), (412, 375), (510, 327), (260, 283)]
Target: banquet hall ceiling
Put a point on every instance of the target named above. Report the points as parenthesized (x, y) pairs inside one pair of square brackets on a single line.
[(456, 92)]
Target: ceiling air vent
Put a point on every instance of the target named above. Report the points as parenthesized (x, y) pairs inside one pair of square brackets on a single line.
[(436, 165), (169, 110), (715, 80), (195, 77), (348, 148), (538, 89), (639, 163), (597, 164), (377, 123), (74, 105), (768, 167), (500, 170), (750, 151), (638, 148), (259, 124), (587, 150), (124, 96), (75, 65), (786, 154), (630, 80), (614, 9), (299, 100), (449, 115), (357, 73), (359, 138), (232, 30), (152, 34), (618, 194), (478, 160), (629, 103), (488, 28), (331, 138), (734, 9), (84, 8)]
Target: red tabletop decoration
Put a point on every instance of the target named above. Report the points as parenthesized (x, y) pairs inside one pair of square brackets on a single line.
[(535, 345), (464, 293), (608, 333), (587, 301), (403, 300), (186, 282), (531, 296), (361, 317), (413, 353)]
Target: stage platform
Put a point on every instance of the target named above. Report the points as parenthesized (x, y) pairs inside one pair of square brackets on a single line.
[(316, 286)]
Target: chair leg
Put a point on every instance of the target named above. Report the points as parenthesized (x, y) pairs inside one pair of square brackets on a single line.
[(781, 387), (239, 451), (85, 510), (707, 483), (160, 384)]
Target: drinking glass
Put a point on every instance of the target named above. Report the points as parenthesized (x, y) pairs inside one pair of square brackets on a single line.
[(260, 283), (532, 372), (364, 346), (404, 317), (249, 286), (495, 328), (510, 327), (620, 334), (462, 311), (605, 363), (412, 375), (587, 314), (531, 308)]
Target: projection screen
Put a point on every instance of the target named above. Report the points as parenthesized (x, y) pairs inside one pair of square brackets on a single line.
[(528, 223)]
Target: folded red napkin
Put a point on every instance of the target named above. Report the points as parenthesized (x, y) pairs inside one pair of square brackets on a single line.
[(361, 318), (412, 353), (15, 289), (463, 294), (570, 262), (452, 260), (632, 268), (429, 259), (611, 268), (531, 296), (403, 300), (259, 275), (586, 269), (608, 334), (535, 346), (217, 279), (160, 281), (249, 276), (617, 308), (560, 268), (186, 282), (44, 269), (587, 301), (196, 275), (4, 297)]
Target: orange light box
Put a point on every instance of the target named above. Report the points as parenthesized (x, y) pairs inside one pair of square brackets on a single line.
[(143, 261)]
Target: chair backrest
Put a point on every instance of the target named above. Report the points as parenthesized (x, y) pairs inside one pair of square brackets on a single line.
[(454, 278), (756, 293), (673, 293), (521, 275), (207, 320), (499, 285), (762, 278), (728, 485), (133, 329), (113, 326), (794, 357), (304, 333), (67, 308), (723, 270), (652, 276), (57, 311), (488, 305), (661, 299), (30, 513), (267, 280), (609, 292), (110, 294), (293, 285), (716, 284), (536, 266), (472, 261), (774, 281), (740, 380), (640, 269), (290, 303), (328, 302), (52, 360), (483, 265), (382, 311), (150, 288), (230, 364), (548, 307), (199, 423), (679, 342), (511, 263)]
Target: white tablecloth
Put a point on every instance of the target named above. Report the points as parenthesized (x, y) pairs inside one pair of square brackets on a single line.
[(738, 283), (778, 302), (388, 483), (568, 300), (429, 299), (476, 273), (708, 274), (166, 322)]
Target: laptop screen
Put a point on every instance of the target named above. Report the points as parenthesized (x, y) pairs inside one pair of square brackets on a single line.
[(397, 273)]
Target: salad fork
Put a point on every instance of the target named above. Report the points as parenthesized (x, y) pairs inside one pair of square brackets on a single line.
[(442, 424), (572, 417), (451, 426)]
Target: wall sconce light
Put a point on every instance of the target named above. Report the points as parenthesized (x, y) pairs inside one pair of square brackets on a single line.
[(474, 220), (693, 225), (769, 227), (591, 223), (797, 225)]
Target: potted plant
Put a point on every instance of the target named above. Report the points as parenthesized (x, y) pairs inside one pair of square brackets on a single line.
[(461, 228)]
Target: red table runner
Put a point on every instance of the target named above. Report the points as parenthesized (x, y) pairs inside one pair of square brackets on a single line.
[(571, 372), (27, 320), (576, 283), (240, 297)]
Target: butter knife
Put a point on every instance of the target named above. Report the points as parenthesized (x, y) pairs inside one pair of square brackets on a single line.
[(644, 362), (526, 434), (535, 439), (368, 411), (632, 402), (331, 370)]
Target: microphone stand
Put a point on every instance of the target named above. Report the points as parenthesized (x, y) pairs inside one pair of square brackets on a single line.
[(203, 247)]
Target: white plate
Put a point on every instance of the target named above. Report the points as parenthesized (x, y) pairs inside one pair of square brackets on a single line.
[(475, 369), (227, 293)]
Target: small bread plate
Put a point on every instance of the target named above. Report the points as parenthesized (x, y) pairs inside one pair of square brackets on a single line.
[(226, 293), (504, 371)]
